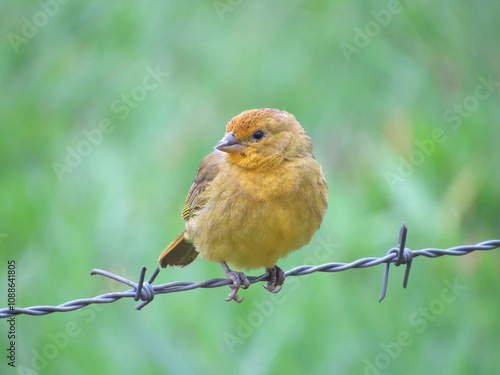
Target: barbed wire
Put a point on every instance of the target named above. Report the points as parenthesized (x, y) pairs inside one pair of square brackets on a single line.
[(145, 291)]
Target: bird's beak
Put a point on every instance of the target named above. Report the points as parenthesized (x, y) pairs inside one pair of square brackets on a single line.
[(230, 144)]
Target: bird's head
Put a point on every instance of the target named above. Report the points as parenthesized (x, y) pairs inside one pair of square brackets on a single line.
[(263, 138)]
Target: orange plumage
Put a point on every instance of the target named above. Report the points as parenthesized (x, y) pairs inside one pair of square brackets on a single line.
[(257, 197)]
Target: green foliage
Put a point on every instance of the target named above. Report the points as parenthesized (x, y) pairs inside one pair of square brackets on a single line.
[(107, 109)]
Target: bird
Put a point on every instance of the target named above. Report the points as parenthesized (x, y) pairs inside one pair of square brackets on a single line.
[(258, 196)]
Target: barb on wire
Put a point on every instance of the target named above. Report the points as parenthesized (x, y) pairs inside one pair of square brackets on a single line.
[(145, 291), (404, 256)]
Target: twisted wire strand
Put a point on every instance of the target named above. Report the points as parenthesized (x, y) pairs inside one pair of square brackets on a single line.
[(145, 291)]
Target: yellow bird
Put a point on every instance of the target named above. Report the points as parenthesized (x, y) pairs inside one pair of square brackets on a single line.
[(257, 197)]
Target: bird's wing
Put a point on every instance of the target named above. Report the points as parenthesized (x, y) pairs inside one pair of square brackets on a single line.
[(208, 169)]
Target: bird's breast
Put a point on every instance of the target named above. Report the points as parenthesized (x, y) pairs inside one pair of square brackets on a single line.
[(252, 221)]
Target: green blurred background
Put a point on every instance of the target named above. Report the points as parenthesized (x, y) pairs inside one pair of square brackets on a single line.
[(395, 96)]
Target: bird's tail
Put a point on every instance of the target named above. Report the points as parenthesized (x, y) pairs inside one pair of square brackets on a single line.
[(179, 253)]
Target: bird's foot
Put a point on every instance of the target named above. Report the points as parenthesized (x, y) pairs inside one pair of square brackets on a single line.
[(276, 279), (239, 280)]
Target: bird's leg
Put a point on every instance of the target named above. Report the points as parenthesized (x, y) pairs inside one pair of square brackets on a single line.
[(239, 281), (276, 278)]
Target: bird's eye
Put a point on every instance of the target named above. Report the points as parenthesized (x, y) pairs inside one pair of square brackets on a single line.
[(258, 135)]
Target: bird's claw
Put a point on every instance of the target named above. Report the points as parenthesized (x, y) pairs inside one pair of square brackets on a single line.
[(276, 279), (239, 280), (272, 288), (233, 296)]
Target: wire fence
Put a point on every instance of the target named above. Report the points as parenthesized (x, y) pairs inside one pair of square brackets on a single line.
[(145, 291)]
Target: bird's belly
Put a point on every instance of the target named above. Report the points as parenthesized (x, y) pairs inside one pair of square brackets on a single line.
[(255, 237)]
